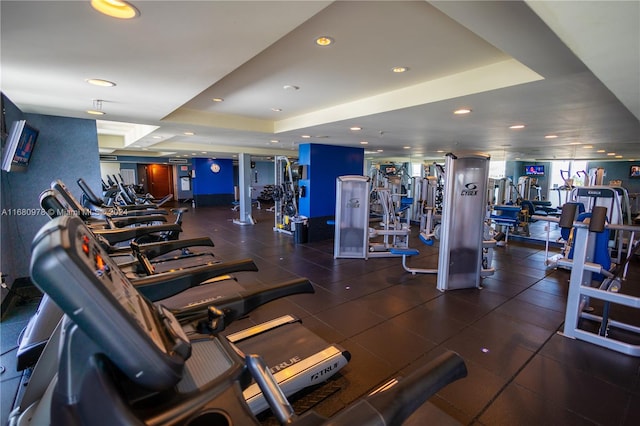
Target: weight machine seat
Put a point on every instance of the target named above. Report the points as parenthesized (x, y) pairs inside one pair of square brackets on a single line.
[(404, 252), (425, 240), (506, 216), (601, 254)]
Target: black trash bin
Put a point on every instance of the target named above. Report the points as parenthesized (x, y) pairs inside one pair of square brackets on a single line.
[(300, 230)]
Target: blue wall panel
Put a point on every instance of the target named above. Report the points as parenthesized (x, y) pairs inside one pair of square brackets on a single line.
[(324, 164), (211, 188), (66, 149)]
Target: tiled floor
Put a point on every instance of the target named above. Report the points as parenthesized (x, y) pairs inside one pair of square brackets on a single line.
[(521, 371)]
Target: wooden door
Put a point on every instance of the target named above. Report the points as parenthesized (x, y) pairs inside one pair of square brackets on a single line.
[(159, 180)]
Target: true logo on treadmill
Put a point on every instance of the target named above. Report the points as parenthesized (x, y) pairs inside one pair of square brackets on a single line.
[(469, 189), (319, 374), (285, 364)]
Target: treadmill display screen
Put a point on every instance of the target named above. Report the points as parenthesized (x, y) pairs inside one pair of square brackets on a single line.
[(114, 280)]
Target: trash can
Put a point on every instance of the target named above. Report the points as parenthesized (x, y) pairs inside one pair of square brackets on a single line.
[(300, 229)]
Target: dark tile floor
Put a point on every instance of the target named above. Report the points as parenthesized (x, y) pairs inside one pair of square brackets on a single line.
[(521, 371)]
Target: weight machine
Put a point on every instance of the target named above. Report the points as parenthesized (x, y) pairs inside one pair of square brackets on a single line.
[(353, 233), (284, 195), (527, 186), (466, 242), (596, 325)]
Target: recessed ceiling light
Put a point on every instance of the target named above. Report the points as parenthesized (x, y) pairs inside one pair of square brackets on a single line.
[(203, 152), (274, 141), (355, 128), (379, 150), (601, 150), (551, 136), (276, 109), (305, 136), (291, 87), (100, 82), (94, 112), (462, 111), (217, 99), (399, 70), (611, 154), (575, 143), (587, 146), (517, 126), (440, 151), (364, 143), (406, 147), (324, 41), (189, 133), (115, 8), (157, 137), (618, 156)]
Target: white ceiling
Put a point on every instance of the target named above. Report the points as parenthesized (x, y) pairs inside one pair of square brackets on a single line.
[(567, 68)]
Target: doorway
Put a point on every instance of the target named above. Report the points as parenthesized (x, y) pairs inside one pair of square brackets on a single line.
[(159, 179)]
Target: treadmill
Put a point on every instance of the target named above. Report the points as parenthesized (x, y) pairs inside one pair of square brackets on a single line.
[(124, 360), (207, 309)]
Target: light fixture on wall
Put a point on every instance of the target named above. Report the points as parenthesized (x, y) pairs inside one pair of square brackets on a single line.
[(115, 8)]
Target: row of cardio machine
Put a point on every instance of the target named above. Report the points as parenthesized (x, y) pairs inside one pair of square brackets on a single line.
[(131, 333), (115, 191)]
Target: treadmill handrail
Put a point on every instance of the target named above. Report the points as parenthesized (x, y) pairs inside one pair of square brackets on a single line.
[(161, 286), (123, 234), (394, 405)]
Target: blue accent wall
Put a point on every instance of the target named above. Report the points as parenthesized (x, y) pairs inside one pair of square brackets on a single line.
[(209, 188), (66, 149), (324, 163)]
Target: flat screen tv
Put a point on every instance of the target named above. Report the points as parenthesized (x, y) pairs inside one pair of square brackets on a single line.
[(19, 146), (634, 171), (534, 170)]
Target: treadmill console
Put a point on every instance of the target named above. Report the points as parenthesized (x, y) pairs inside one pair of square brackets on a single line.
[(71, 201), (144, 340)]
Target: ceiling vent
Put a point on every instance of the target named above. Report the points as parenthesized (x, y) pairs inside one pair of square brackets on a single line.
[(108, 158), (178, 160)]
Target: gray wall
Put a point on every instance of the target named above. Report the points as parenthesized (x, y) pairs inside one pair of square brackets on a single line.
[(66, 149)]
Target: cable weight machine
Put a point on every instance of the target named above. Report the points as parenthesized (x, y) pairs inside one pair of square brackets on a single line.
[(284, 195)]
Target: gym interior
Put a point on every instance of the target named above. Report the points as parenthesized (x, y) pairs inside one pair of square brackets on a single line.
[(319, 284)]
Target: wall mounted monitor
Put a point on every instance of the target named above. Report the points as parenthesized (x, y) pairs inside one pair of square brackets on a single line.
[(534, 170), (19, 146)]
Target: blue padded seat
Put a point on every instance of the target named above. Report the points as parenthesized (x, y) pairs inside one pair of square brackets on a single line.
[(505, 215), (425, 240), (601, 253), (404, 251)]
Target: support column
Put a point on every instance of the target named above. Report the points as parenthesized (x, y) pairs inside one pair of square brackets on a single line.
[(244, 177)]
